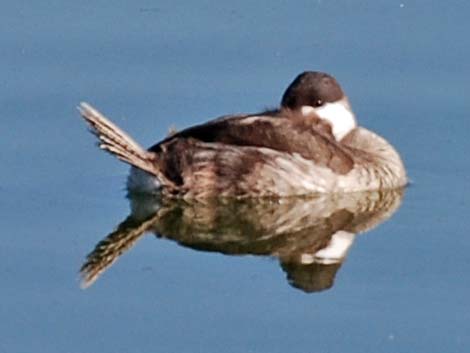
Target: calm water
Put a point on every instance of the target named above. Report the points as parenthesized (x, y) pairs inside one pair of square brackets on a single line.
[(151, 65)]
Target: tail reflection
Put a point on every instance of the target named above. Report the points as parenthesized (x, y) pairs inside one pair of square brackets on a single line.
[(310, 236)]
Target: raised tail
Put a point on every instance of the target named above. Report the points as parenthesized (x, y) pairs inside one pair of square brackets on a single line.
[(115, 141)]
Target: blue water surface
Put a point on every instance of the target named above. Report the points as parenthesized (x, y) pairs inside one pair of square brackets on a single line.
[(151, 65)]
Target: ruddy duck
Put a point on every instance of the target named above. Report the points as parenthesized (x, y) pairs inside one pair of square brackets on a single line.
[(310, 144)]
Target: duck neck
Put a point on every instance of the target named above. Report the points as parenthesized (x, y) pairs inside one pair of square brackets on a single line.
[(374, 152)]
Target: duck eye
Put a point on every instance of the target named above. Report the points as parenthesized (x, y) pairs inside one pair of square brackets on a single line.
[(318, 103)]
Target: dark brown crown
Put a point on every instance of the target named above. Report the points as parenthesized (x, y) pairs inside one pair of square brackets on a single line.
[(313, 89)]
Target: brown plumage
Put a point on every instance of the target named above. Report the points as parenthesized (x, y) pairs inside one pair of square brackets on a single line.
[(222, 155), (283, 131), (284, 152)]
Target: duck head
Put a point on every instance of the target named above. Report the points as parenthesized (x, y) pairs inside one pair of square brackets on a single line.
[(320, 93)]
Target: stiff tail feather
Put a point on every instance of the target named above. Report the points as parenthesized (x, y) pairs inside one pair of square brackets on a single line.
[(115, 141)]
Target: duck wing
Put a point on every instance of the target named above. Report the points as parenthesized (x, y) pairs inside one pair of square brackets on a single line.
[(308, 137)]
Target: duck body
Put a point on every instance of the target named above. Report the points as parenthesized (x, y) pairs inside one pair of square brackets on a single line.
[(311, 144)]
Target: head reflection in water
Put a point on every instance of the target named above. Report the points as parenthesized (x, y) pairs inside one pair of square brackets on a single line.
[(309, 236)]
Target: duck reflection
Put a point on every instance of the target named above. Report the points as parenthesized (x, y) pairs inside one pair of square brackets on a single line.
[(309, 236)]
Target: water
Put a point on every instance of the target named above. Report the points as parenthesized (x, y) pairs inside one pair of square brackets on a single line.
[(153, 65)]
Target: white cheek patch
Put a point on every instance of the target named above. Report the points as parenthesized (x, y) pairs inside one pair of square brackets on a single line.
[(340, 117)]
